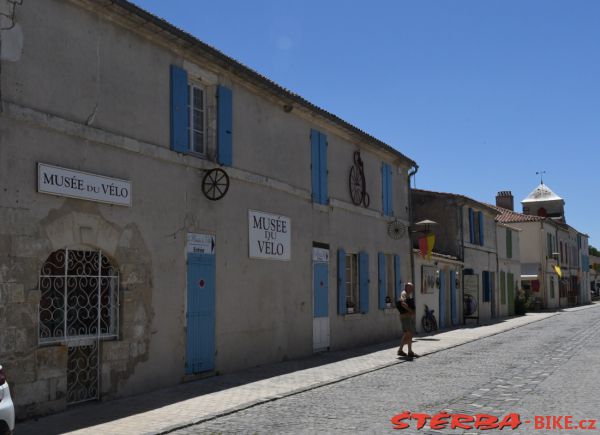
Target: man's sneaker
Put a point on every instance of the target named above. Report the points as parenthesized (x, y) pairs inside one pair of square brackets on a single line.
[(413, 355), (401, 353)]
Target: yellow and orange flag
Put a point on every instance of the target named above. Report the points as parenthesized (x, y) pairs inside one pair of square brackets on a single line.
[(426, 244)]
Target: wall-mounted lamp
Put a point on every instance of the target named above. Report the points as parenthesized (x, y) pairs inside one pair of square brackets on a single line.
[(423, 226)]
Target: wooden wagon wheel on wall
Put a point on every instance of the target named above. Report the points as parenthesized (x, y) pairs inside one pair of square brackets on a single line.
[(215, 184)]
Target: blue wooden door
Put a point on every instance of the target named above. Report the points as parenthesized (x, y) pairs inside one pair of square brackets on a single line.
[(442, 312), (321, 290), (200, 347)]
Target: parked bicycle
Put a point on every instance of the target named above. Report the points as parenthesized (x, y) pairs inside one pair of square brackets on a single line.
[(428, 320)]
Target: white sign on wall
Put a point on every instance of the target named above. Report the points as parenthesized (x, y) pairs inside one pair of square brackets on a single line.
[(200, 243), (269, 236), (83, 185), (321, 255), (428, 279)]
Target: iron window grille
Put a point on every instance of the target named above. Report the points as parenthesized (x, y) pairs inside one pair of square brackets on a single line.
[(79, 297)]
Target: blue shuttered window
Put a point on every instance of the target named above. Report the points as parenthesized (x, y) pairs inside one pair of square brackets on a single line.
[(341, 275), (224, 126), (323, 169), (180, 117), (476, 228), (397, 277), (381, 267), (480, 216), (471, 226), (179, 110), (363, 280), (386, 190), (319, 172)]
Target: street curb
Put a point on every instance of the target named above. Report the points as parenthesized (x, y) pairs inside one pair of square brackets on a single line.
[(345, 377)]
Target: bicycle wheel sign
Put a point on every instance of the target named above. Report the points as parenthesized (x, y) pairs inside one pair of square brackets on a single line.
[(357, 182)]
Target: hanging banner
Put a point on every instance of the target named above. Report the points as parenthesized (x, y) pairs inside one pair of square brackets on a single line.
[(426, 244)]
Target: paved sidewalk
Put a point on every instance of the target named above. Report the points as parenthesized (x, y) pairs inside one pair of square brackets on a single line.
[(168, 409)]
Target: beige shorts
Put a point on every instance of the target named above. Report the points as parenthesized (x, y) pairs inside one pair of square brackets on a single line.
[(408, 323)]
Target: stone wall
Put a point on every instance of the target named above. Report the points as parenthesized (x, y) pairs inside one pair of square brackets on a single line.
[(37, 373)]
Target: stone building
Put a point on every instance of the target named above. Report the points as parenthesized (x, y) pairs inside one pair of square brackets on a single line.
[(437, 282), (554, 255), (166, 212), (466, 231)]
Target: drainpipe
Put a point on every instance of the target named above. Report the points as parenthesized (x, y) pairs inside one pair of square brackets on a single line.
[(411, 173), (544, 267), (496, 306)]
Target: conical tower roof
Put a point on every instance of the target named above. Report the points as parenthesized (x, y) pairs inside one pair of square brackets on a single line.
[(542, 193)]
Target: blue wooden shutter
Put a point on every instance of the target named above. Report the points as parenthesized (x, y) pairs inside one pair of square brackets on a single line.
[(179, 110), (384, 190), (389, 191), (314, 165), (471, 226), (323, 169), (480, 216), (363, 279), (225, 126), (397, 278), (341, 273), (382, 279), (486, 286)]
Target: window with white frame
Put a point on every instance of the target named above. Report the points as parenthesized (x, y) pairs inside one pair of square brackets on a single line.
[(197, 117), (351, 283)]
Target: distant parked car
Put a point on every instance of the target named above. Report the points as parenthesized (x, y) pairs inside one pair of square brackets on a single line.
[(7, 409)]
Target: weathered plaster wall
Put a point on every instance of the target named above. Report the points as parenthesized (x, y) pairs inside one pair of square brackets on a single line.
[(104, 109)]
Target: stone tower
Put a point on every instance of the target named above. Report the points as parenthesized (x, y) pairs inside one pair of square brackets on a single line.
[(544, 202)]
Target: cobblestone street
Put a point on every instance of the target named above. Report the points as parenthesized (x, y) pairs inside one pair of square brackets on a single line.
[(545, 368)]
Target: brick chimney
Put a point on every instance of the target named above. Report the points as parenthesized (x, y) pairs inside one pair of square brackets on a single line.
[(505, 199)]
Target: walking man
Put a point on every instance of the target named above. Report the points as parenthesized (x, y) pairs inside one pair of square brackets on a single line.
[(407, 318)]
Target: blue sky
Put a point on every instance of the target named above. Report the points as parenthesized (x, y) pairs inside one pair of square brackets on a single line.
[(481, 94)]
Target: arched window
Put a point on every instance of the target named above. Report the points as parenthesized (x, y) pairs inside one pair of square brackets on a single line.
[(542, 212), (79, 296)]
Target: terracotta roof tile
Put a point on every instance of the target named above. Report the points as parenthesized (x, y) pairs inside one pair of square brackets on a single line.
[(507, 216)]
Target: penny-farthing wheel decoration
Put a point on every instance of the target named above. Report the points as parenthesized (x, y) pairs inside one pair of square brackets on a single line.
[(357, 183), (215, 184)]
